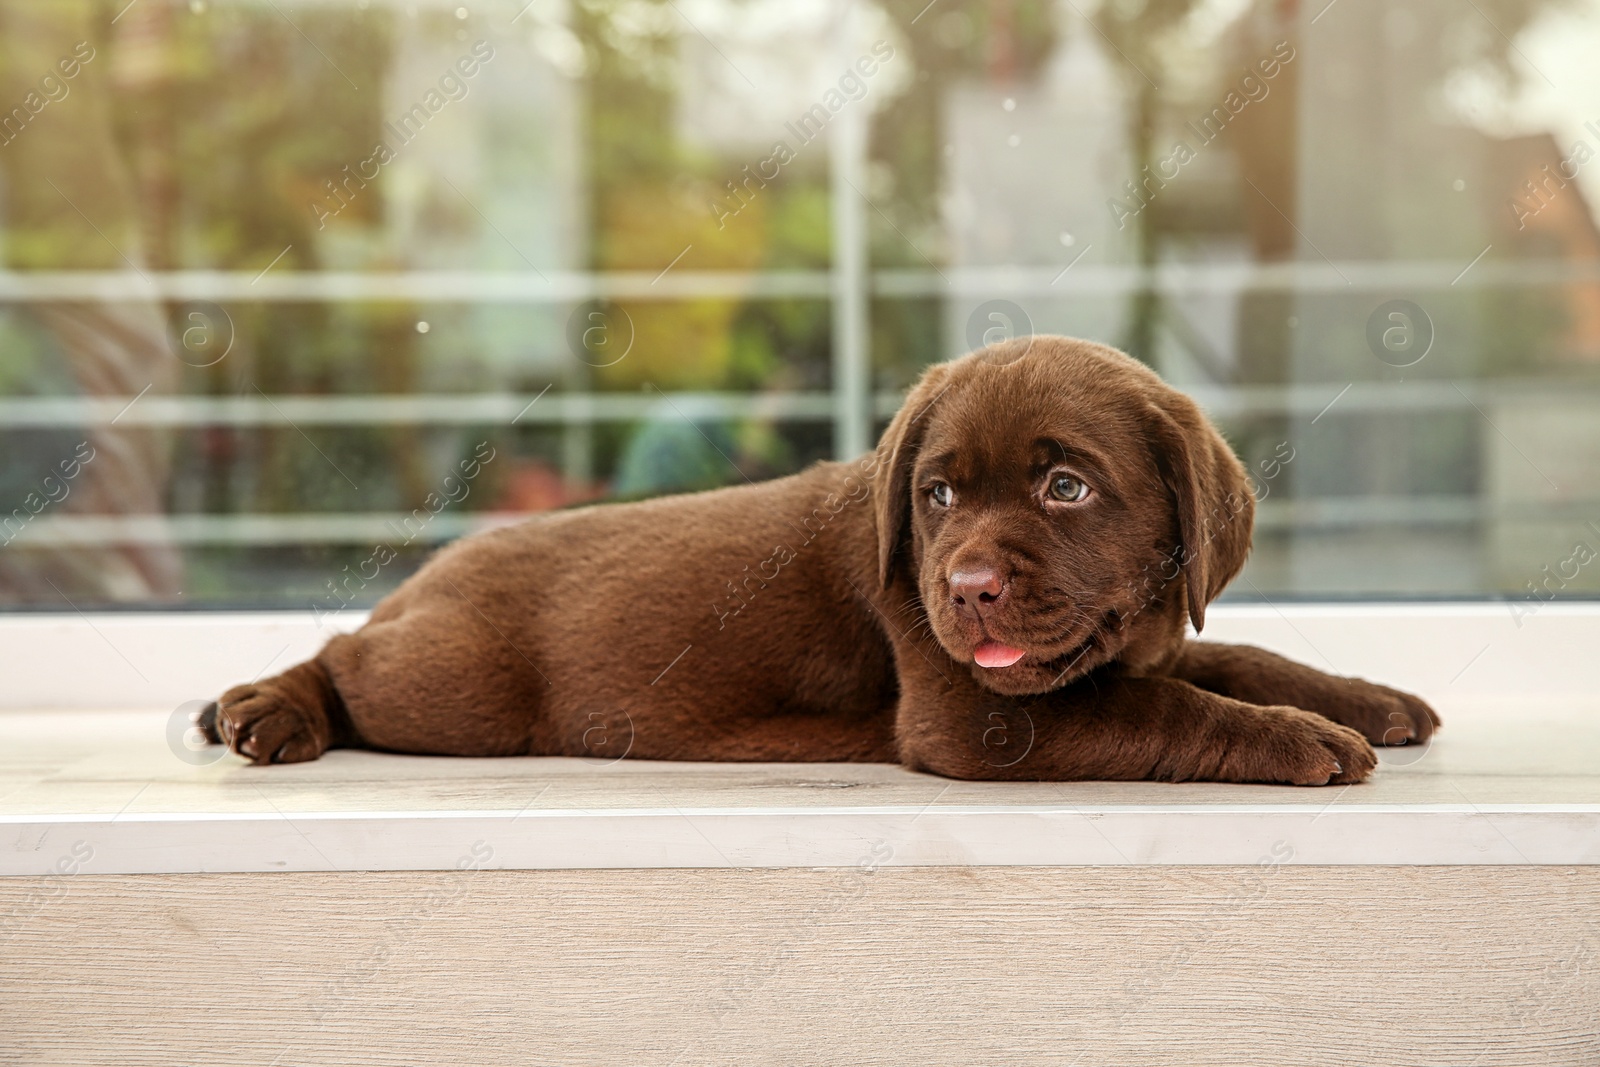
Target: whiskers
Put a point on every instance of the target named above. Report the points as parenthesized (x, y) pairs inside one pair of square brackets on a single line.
[(917, 623), (1098, 639), (1074, 624)]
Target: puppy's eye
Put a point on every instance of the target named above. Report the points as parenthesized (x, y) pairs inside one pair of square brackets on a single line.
[(942, 495), (1067, 489)]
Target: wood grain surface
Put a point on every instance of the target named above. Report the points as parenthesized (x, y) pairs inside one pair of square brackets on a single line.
[(1078, 967)]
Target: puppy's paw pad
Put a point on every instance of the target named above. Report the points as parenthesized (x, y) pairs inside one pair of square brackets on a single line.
[(262, 725)]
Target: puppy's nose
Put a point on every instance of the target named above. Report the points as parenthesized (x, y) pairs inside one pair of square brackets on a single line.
[(974, 592)]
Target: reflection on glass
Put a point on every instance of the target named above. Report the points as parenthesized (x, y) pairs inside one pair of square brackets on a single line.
[(274, 272)]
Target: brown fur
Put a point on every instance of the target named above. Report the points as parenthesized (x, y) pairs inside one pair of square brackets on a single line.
[(813, 617)]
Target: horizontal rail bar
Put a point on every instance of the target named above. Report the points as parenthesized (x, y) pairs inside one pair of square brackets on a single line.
[(471, 409), (392, 528), (419, 409), (559, 286)]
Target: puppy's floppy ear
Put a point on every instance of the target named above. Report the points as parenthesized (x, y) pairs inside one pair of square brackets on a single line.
[(1214, 505), (897, 452)]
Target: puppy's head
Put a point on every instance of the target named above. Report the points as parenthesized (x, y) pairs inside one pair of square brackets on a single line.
[(1058, 506)]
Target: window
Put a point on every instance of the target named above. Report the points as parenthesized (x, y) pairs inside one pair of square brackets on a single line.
[(292, 292)]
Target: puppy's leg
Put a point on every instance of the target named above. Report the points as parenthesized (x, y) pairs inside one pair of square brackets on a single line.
[(426, 676), (1384, 716), (1122, 729), (435, 677), (293, 717)]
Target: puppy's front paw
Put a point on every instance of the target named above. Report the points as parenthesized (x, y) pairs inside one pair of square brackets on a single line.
[(1383, 716), (262, 724), (1294, 747)]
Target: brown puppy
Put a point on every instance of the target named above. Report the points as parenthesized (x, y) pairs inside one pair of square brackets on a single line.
[(999, 592)]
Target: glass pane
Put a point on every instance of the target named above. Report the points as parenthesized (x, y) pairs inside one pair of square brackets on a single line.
[(292, 292)]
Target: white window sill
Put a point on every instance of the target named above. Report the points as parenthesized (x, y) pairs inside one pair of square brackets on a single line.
[(1514, 778)]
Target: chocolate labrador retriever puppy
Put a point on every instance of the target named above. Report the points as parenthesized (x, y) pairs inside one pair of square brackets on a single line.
[(999, 592)]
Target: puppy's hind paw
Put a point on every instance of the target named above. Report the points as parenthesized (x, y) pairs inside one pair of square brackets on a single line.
[(262, 724)]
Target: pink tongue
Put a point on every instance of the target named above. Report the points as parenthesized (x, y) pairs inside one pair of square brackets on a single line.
[(994, 654)]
